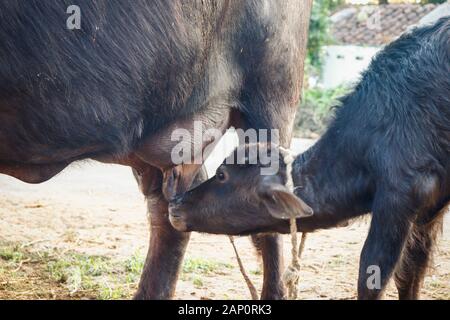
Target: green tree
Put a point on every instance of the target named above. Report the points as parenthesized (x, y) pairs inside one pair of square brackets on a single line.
[(319, 30)]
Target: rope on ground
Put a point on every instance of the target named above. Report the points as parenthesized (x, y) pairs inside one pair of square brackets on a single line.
[(292, 274), (251, 287)]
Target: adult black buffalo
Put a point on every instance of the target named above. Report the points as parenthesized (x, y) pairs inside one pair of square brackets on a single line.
[(115, 89)]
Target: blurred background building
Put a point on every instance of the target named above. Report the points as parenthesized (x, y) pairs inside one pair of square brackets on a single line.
[(359, 31), (344, 36)]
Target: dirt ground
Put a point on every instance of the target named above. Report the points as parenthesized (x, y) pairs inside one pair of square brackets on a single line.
[(96, 210)]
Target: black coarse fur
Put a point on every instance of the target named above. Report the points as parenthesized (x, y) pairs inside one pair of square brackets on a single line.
[(98, 87), (388, 152), (134, 67)]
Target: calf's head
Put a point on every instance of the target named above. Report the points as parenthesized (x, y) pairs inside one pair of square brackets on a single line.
[(239, 199)]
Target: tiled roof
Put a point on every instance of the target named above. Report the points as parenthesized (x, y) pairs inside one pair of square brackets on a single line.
[(376, 25)]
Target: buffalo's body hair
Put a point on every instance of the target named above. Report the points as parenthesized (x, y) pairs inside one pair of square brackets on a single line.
[(133, 68), (387, 151)]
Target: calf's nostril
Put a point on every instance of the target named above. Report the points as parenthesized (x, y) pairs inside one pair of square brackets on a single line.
[(175, 215), (174, 210), (178, 222)]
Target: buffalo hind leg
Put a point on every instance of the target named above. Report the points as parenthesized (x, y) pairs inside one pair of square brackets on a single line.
[(388, 232), (166, 250), (415, 259), (271, 248), (167, 245)]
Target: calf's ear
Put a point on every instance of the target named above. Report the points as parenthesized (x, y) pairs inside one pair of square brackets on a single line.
[(282, 203)]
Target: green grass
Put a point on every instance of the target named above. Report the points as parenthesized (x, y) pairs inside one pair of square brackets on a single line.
[(203, 266), (194, 269), (106, 278), (76, 275), (55, 274), (11, 253), (198, 282), (256, 272), (135, 264), (78, 272)]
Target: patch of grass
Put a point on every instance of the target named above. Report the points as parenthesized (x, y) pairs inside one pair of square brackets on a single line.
[(86, 265), (437, 287), (51, 274), (71, 275), (198, 282), (78, 272), (256, 272), (135, 264), (113, 291), (11, 253), (203, 266), (435, 284), (194, 268)]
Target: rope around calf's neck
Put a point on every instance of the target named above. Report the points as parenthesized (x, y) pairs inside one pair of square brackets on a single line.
[(292, 274)]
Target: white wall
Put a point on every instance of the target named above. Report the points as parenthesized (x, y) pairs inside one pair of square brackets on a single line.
[(439, 12), (344, 64)]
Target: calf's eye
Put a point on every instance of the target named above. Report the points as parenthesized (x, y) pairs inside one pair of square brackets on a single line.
[(221, 176)]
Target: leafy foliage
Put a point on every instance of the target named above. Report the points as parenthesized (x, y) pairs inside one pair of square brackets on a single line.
[(315, 111), (319, 30)]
